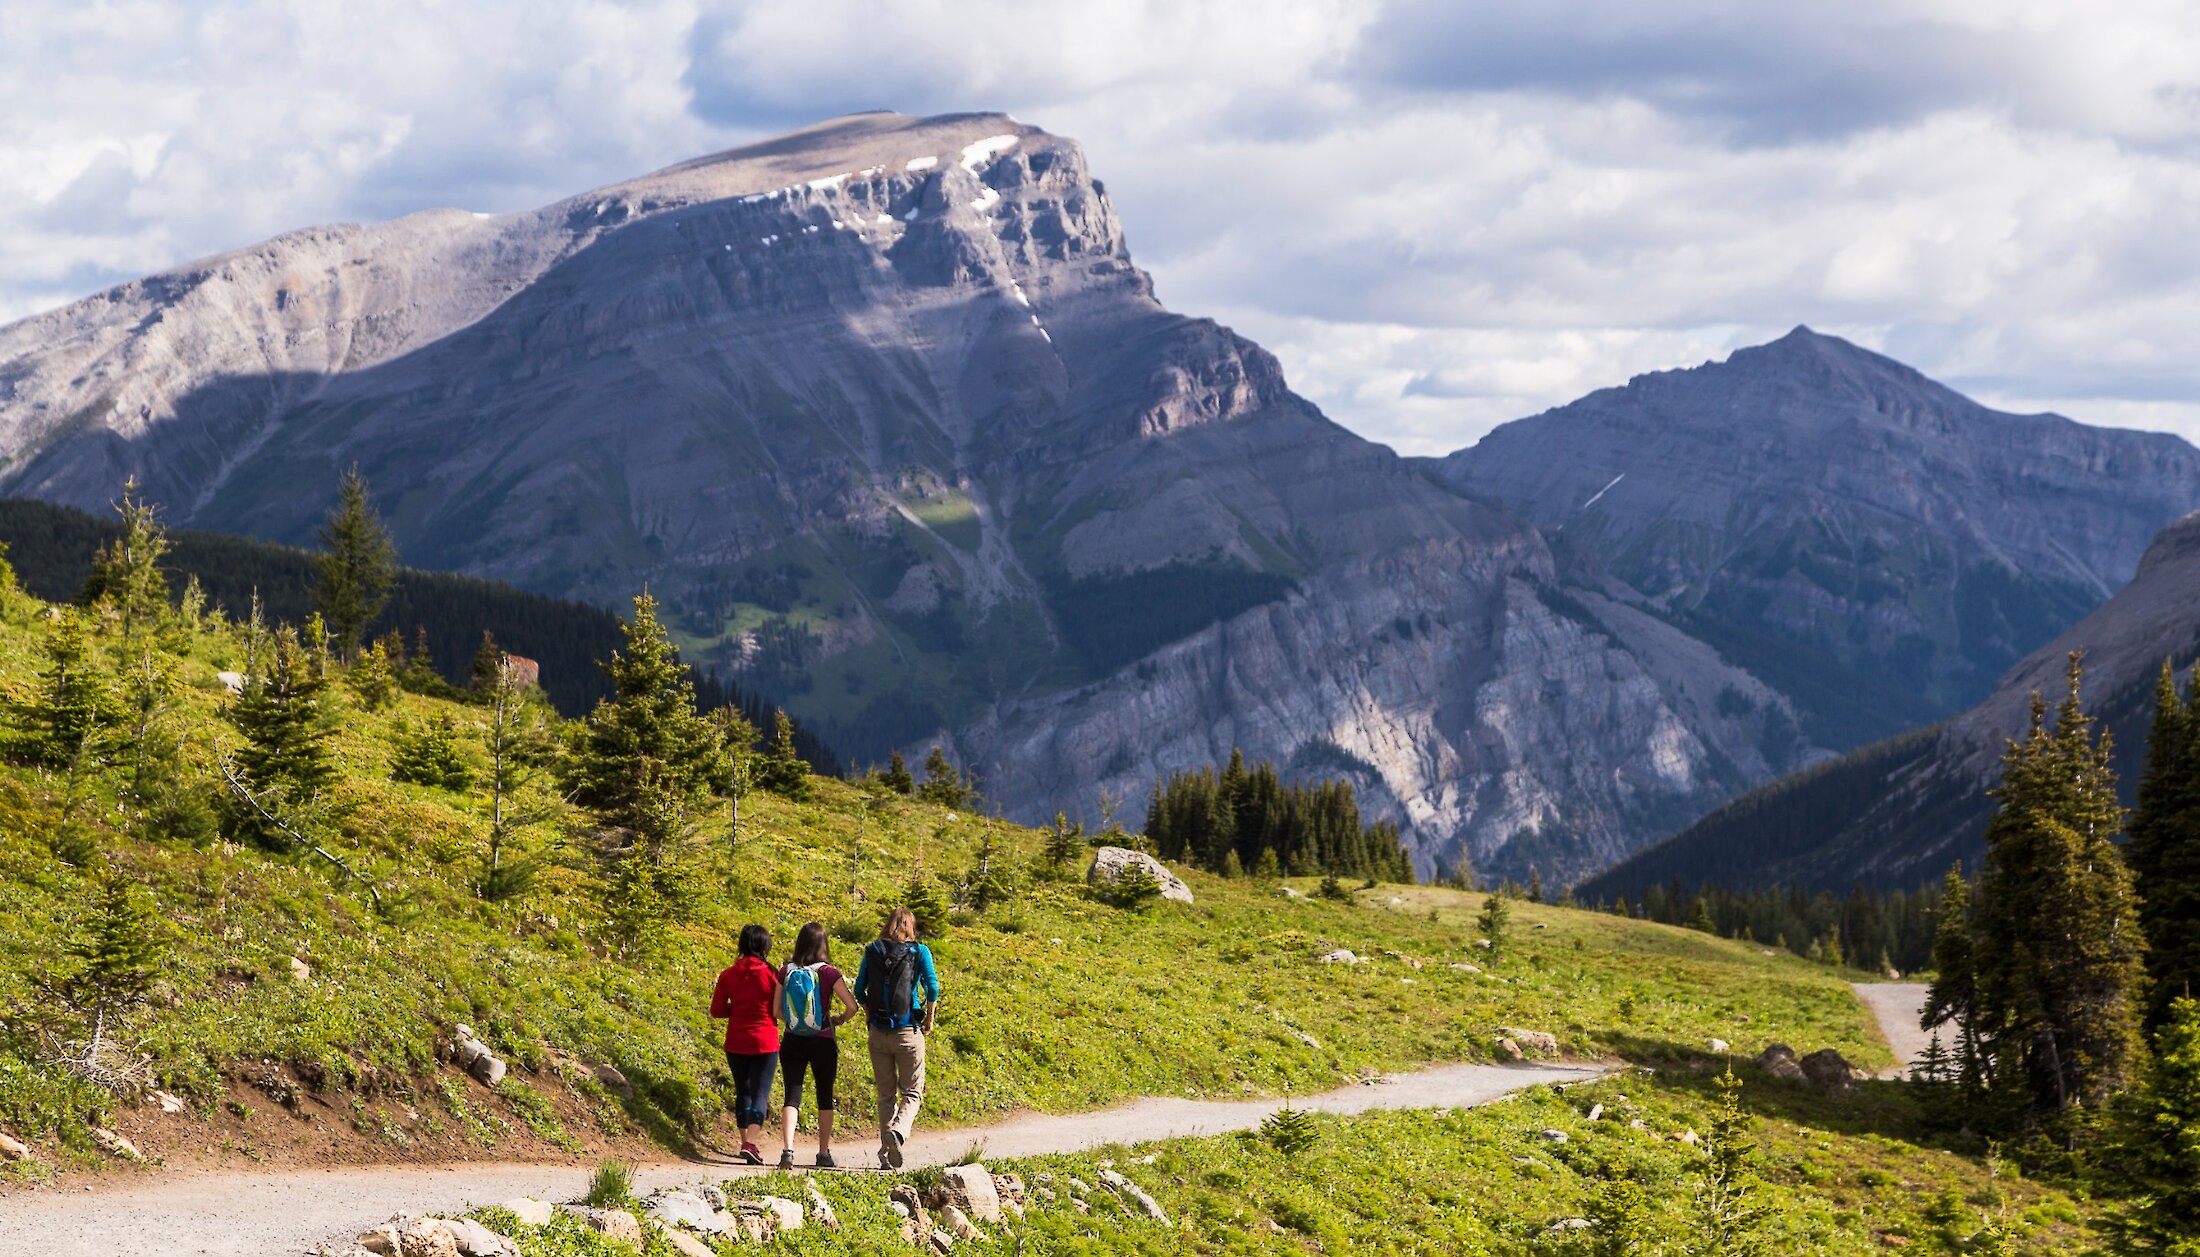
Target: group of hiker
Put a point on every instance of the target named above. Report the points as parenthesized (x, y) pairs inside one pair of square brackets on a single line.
[(897, 990)]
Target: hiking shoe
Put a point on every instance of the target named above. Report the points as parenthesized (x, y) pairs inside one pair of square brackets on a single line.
[(750, 1155), (894, 1141), (824, 1160), (883, 1162), (786, 1159)]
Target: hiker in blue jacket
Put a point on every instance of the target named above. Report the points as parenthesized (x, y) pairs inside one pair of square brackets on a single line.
[(806, 997), (900, 993)]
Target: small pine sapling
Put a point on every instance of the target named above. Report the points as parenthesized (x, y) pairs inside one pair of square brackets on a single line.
[(1290, 1131), (1495, 922), (1730, 1212)]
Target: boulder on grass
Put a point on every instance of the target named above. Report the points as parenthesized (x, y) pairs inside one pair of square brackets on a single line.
[(529, 1211), (1535, 1042), (676, 1208), (115, 1145), (1828, 1068), (684, 1244), (1110, 863), (1137, 1194), (1779, 1061), (970, 1188)]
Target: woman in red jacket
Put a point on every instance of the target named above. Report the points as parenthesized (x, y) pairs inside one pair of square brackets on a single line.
[(746, 996)]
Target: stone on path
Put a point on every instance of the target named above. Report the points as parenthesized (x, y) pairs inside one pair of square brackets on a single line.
[(1110, 863)]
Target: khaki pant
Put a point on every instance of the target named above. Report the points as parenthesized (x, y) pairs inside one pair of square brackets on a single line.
[(897, 1065)]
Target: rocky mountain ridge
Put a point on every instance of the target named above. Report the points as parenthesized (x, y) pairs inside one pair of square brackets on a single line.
[(1871, 542), (887, 418)]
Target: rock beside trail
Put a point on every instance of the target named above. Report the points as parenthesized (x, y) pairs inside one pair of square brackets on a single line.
[(672, 1209), (12, 1148), (821, 1209), (530, 1211), (1779, 1061), (1509, 1050), (1536, 1042), (1110, 863), (1124, 1187), (686, 1245), (614, 1224), (970, 1187), (115, 1145), (474, 1056), (1828, 1068)]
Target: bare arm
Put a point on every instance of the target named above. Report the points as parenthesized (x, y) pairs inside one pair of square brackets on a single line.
[(847, 1001)]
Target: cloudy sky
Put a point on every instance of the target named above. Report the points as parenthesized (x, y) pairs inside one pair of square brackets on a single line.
[(1440, 213)]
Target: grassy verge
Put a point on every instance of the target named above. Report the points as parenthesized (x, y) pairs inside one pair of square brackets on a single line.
[(1840, 1175)]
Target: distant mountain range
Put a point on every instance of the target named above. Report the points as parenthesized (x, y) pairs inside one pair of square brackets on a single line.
[(889, 420), (1874, 545), (1897, 813)]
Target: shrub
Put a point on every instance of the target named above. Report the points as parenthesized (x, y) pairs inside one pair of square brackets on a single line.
[(610, 1186)]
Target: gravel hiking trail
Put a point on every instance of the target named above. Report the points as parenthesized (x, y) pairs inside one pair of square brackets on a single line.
[(1897, 1007), (285, 1213)]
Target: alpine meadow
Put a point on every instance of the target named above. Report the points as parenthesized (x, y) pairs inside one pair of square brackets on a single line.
[(792, 702)]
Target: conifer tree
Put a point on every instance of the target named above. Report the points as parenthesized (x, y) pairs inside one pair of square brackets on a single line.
[(925, 897), (781, 769), (1494, 922), (519, 733), (118, 954), (1730, 1211), (126, 571), (75, 709), (2057, 953), (428, 755), (1953, 994), (896, 777), (1290, 1130), (744, 763), (285, 762), (1700, 919), (2164, 851), (1268, 868), (647, 732), (487, 666), (2161, 1152), (645, 761), (943, 782), (1621, 1223), (1064, 841), (372, 678), (358, 565)]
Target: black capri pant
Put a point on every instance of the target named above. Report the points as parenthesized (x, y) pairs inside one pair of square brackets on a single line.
[(801, 1052)]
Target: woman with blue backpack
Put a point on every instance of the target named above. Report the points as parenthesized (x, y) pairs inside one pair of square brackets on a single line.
[(900, 991), (811, 986)]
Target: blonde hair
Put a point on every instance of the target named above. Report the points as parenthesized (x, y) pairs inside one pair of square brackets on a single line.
[(901, 926)]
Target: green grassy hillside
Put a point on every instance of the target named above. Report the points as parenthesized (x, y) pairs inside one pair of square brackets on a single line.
[(1055, 999)]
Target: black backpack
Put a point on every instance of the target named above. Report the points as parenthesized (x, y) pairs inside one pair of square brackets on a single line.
[(893, 986)]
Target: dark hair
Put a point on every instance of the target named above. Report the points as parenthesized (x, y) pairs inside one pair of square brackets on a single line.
[(756, 941), (811, 945)]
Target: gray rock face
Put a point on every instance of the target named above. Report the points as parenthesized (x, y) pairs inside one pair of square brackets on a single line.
[(1873, 544), (1901, 813), (886, 417)]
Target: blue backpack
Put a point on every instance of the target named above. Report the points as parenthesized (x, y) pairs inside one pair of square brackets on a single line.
[(805, 1002)]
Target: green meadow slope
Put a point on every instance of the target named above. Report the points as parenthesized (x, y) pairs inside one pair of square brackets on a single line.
[(295, 1018)]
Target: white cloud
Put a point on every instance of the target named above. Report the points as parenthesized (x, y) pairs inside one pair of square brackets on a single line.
[(1439, 215)]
